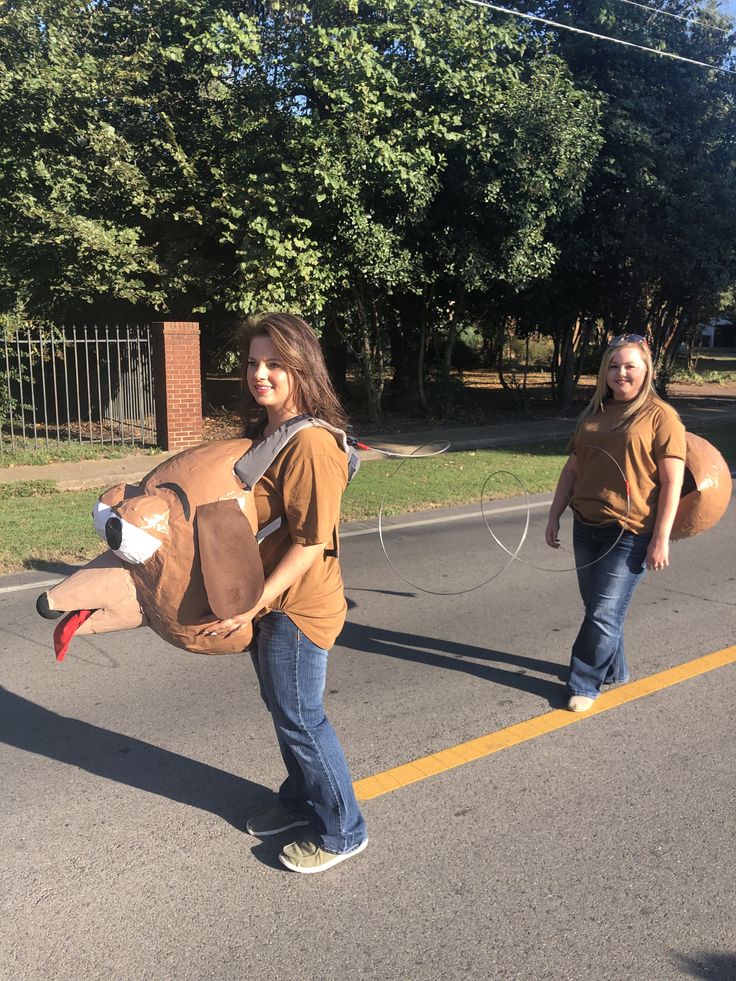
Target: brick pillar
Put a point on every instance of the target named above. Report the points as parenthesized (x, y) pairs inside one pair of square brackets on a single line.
[(177, 384)]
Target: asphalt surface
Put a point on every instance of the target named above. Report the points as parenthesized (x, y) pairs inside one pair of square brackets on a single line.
[(603, 850)]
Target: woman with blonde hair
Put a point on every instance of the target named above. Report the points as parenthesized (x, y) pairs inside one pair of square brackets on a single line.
[(302, 609), (622, 480)]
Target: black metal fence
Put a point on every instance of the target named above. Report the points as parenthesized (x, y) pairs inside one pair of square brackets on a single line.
[(76, 385)]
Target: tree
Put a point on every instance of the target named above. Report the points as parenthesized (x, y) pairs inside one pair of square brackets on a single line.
[(391, 171), (653, 244), (71, 192), (437, 165), (378, 167)]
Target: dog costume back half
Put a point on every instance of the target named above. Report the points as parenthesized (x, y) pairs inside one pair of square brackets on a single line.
[(706, 489), (183, 547)]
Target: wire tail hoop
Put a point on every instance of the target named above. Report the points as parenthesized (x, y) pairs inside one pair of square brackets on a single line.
[(415, 454), (623, 520), (512, 554), (444, 592)]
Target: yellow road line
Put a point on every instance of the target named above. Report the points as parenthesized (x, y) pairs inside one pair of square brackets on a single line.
[(475, 749)]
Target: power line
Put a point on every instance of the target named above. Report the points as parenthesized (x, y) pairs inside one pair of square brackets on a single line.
[(667, 13), (600, 37)]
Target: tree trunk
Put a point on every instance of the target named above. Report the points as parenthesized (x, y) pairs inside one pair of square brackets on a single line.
[(667, 342), (420, 362), (455, 312), (508, 376), (563, 367), (336, 356), (372, 390), (404, 333)]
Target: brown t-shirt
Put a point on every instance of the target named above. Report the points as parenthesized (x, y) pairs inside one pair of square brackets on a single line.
[(599, 496), (304, 486)]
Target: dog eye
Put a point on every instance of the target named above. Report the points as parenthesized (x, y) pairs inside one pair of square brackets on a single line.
[(129, 543), (104, 504), (100, 513)]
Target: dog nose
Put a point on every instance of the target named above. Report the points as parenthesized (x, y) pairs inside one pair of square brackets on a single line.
[(114, 532), (42, 607)]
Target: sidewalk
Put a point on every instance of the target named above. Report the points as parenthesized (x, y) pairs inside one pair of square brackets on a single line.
[(696, 412)]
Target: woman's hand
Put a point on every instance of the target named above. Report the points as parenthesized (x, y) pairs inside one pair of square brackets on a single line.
[(294, 564), (658, 554), (552, 533), (224, 628), (560, 500)]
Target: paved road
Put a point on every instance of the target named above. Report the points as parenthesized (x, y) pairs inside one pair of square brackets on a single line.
[(603, 850)]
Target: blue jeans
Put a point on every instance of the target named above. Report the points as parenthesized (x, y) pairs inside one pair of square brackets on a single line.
[(291, 672), (606, 588)]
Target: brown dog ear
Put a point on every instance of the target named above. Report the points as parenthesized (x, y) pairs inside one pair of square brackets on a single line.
[(231, 563)]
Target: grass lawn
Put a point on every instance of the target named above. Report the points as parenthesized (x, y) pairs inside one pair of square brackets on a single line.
[(26, 454), (704, 376), (452, 478), (40, 525)]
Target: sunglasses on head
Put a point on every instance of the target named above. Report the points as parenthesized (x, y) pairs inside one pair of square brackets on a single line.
[(628, 339)]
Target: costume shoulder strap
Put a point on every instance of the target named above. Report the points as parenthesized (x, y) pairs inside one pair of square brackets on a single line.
[(255, 462)]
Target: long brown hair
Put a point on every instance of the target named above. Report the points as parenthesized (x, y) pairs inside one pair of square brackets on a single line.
[(647, 395), (301, 355)]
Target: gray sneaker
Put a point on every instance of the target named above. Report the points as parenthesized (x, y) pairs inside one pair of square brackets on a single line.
[(306, 856), (273, 820)]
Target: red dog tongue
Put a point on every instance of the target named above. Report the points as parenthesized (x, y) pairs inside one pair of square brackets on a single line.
[(65, 630)]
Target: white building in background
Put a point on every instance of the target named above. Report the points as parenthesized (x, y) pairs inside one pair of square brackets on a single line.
[(718, 332)]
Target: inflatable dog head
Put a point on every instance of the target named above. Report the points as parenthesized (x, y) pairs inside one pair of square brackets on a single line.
[(183, 551), (706, 489), (182, 554)]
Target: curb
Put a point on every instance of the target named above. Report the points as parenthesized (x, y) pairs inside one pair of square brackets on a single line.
[(91, 473)]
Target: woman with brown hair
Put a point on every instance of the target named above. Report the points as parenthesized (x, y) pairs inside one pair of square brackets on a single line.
[(302, 609)]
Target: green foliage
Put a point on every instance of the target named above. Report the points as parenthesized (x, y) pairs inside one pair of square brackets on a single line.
[(199, 157), (468, 351), (72, 192), (539, 351), (703, 377), (652, 248), (390, 170), (225, 362)]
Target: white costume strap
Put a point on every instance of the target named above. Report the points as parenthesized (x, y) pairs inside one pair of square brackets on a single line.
[(255, 462), (269, 529)]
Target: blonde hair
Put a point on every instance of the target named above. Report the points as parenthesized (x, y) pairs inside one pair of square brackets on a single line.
[(301, 355), (646, 397)]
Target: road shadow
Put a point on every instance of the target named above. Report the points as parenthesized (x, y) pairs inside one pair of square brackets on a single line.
[(500, 667), (267, 852), (63, 568), (714, 967), (383, 592), (128, 760)]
